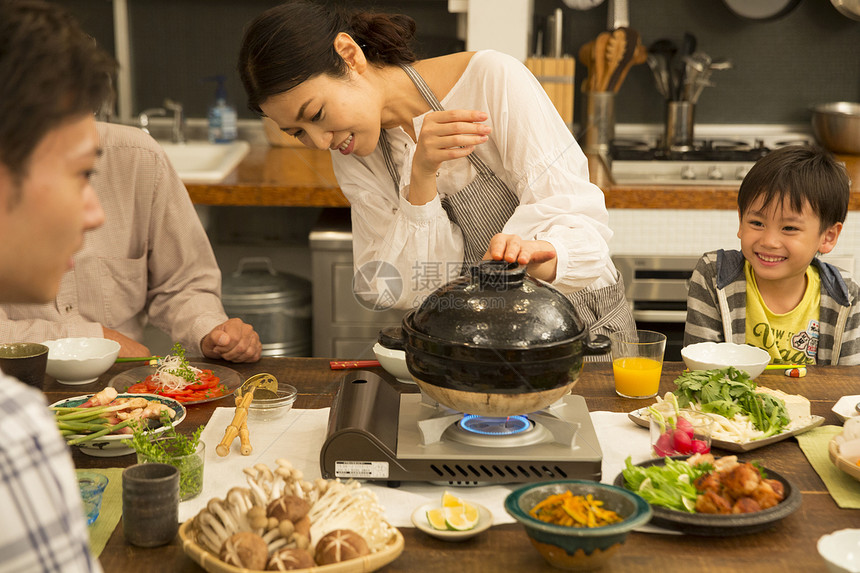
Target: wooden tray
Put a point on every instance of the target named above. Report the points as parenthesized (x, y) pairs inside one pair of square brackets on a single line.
[(365, 564)]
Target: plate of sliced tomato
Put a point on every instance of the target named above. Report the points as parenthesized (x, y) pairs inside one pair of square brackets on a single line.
[(213, 383)]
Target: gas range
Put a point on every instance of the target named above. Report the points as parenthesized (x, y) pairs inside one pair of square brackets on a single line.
[(720, 155)]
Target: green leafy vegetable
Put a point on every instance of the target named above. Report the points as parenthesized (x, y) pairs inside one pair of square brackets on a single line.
[(668, 486), (729, 391), (171, 447)]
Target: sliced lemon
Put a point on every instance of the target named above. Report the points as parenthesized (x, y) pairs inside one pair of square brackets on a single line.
[(436, 517), (461, 519), (451, 500), (690, 504)]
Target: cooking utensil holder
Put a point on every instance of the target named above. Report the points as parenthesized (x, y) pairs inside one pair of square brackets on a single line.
[(598, 122), (680, 120)]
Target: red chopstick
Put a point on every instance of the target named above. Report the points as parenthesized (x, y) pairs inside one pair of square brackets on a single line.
[(347, 364)]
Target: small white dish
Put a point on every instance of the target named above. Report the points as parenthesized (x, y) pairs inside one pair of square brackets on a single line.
[(77, 361), (841, 550), (713, 355), (846, 407), (394, 362), (419, 519)]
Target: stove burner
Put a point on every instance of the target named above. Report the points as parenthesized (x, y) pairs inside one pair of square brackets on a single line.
[(788, 142), (495, 426), (700, 150), (727, 145)]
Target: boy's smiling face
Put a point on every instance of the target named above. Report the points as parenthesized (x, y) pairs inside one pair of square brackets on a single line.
[(780, 243)]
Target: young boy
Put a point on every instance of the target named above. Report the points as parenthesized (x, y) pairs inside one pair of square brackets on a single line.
[(774, 293)]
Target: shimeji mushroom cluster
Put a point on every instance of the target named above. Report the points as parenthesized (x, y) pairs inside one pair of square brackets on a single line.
[(333, 505)]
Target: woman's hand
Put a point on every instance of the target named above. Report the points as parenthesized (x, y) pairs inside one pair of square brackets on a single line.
[(540, 256), (445, 135)]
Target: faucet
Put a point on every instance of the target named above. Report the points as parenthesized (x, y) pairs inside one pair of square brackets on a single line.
[(143, 118), (178, 128)]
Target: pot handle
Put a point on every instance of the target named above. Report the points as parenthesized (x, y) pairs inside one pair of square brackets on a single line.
[(254, 261), (596, 345), (499, 275)]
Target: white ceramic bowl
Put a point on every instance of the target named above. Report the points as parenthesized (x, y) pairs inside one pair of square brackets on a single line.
[(80, 360), (712, 355), (841, 550), (394, 362)]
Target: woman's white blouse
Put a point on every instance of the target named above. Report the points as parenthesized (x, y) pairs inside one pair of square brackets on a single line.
[(529, 148)]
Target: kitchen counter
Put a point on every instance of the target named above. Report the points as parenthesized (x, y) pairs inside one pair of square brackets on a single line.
[(301, 177), (788, 546)]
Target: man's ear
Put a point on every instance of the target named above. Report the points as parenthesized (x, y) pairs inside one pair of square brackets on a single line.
[(350, 52), (829, 238)]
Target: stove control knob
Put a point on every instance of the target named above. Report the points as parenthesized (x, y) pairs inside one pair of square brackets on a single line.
[(741, 172), (687, 172), (715, 173)]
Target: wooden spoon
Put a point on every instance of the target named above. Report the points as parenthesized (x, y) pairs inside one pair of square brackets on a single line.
[(600, 60), (586, 56), (616, 51)]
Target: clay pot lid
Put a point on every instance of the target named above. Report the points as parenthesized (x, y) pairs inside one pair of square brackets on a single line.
[(497, 305)]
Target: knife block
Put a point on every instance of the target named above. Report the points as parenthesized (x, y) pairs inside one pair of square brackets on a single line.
[(556, 77)]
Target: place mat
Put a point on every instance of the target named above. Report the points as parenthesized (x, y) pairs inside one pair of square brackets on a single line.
[(110, 512), (299, 436), (844, 489)]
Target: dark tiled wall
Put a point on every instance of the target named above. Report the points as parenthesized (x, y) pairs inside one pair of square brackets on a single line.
[(781, 67)]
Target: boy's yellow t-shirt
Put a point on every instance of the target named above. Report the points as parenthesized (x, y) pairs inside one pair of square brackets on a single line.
[(790, 338)]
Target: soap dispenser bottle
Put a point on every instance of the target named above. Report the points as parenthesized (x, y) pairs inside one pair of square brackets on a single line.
[(222, 116)]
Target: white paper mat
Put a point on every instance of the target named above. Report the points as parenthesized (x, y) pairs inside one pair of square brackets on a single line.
[(299, 437)]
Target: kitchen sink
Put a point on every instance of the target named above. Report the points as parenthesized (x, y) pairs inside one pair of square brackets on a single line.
[(204, 162)]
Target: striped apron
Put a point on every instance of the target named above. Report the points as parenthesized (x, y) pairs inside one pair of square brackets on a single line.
[(481, 210)]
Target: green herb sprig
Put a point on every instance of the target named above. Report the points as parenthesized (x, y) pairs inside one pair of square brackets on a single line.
[(171, 447), (184, 369)]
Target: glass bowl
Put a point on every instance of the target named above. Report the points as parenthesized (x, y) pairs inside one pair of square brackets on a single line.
[(265, 408)]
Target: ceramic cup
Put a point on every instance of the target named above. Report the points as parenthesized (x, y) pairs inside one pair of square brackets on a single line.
[(637, 362), (150, 504), (26, 361), (92, 486)]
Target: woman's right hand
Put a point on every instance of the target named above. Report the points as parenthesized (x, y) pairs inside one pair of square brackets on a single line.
[(445, 135)]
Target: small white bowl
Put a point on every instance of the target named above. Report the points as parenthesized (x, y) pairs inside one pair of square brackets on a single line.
[(76, 361), (841, 550), (394, 362), (713, 355), (419, 520)]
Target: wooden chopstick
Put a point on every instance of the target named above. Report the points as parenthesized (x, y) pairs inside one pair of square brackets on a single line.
[(347, 364), (138, 359)]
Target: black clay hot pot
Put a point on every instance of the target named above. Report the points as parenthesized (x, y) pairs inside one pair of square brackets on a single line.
[(496, 342)]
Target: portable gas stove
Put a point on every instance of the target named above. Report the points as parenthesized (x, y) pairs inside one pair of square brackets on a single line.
[(378, 433)]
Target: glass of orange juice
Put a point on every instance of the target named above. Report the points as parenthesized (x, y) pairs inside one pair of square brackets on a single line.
[(637, 362)]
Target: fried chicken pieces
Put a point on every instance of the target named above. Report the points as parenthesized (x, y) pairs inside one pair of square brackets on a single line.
[(734, 487)]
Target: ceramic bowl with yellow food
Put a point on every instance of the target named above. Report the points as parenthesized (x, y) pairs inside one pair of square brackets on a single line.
[(584, 535)]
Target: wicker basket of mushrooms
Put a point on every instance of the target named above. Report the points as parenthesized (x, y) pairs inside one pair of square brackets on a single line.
[(280, 522)]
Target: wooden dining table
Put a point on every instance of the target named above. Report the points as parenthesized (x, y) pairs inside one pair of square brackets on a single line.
[(790, 545)]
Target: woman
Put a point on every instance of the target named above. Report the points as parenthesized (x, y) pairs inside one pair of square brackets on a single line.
[(444, 161)]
